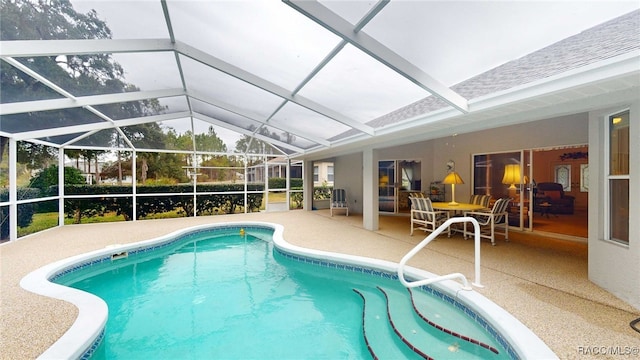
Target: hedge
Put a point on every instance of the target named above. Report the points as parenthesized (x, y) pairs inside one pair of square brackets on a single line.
[(229, 201), (25, 211)]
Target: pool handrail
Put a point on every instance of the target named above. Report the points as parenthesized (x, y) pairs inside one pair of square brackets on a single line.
[(427, 240)]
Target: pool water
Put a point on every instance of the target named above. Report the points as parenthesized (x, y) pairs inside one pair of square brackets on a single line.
[(231, 296)]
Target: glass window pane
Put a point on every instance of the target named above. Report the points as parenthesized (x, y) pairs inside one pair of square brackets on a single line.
[(488, 175), (619, 205), (619, 144)]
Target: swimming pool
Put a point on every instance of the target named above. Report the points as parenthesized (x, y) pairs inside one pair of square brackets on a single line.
[(297, 263)]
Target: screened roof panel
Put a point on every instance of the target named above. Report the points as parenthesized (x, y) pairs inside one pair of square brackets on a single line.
[(306, 123), (456, 40), (133, 109), (225, 89), (150, 70), (351, 11), (22, 80), (62, 72), (173, 104), (61, 139), (349, 86), (41, 120), (285, 138), (218, 114), (103, 138), (265, 38), (320, 74), (227, 136), (128, 19)]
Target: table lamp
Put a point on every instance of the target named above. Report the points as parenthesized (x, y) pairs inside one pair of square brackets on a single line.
[(453, 178), (511, 177)]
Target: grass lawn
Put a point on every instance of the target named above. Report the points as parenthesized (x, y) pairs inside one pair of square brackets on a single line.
[(45, 221)]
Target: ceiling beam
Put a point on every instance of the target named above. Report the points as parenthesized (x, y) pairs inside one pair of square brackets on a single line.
[(31, 48), (339, 26), (81, 101), (74, 129)]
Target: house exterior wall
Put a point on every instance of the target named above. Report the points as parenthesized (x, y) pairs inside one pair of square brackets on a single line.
[(614, 267), (323, 173), (565, 130), (350, 166)]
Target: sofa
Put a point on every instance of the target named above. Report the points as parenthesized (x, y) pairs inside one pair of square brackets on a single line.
[(553, 193)]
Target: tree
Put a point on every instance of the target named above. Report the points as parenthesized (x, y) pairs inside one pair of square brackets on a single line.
[(35, 156), (49, 177), (251, 145), (83, 74)]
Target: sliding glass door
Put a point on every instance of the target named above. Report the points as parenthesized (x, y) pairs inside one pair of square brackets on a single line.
[(397, 179), (506, 175)]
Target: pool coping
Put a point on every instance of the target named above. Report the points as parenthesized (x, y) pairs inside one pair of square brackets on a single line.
[(83, 336)]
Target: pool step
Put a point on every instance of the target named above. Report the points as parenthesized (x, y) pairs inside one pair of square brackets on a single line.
[(460, 335), (427, 336), (376, 326)]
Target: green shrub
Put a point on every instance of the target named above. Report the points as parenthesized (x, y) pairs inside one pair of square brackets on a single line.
[(25, 211), (229, 201)]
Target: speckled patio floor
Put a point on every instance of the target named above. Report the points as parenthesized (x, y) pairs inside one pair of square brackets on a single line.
[(545, 287)]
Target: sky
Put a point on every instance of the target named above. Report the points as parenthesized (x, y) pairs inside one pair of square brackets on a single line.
[(449, 40)]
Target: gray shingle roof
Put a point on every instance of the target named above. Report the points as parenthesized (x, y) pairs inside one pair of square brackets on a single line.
[(615, 37)]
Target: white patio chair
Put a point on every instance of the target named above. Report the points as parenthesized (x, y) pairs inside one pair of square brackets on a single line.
[(497, 218), (425, 217), (338, 201)]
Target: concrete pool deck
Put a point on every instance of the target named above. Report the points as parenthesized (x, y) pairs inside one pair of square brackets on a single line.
[(546, 288)]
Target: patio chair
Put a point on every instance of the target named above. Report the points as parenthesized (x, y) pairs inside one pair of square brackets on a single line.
[(425, 217), (490, 221), (338, 201), (483, 200)]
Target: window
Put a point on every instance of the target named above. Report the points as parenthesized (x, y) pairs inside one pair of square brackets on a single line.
[(330, 173), (563, 176), (617, 175), (316, 169)]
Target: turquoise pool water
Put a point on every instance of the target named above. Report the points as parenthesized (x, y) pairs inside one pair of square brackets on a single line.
[(220, 294)]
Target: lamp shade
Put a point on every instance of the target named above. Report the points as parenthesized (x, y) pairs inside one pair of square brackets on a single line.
[(511, 174), (452, 178)]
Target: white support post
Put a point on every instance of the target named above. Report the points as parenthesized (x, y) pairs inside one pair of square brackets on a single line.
[(195, 179), (134, 188), (61, 187), (307, 185), (369, 190), (288, 180), (246, 180), (13, 189)]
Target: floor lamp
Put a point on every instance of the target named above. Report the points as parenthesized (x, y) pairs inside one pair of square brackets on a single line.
[(453, 178)]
